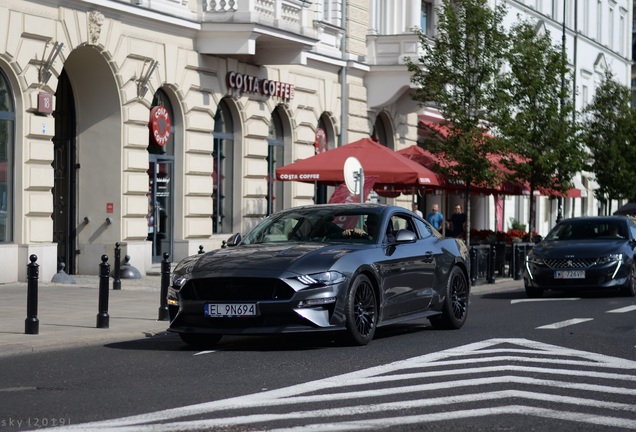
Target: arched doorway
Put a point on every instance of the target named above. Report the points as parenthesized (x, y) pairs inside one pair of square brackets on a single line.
[(65, 175), (161, 177)]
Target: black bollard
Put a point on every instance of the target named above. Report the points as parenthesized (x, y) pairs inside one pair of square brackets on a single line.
[(491, 265), (518, 263), (473, 266), (32, 323), (117, 278), (201, 251), (102, 314), (164, 315)]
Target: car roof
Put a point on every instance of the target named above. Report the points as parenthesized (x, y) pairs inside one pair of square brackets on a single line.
[(596, 218)]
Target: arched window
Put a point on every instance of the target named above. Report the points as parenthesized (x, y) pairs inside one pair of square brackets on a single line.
[(7, 137), (325, 140), (382, 131), (275, 159), (161, 177), (222, 171)]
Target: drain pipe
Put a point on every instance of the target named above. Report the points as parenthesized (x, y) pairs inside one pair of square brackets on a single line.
[(343, 78)]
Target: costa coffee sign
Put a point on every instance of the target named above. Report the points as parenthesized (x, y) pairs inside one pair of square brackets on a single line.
[(160, 125), (265, 87)]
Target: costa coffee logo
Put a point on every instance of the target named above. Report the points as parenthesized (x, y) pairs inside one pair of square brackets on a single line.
[(265, 87), (160, 125)]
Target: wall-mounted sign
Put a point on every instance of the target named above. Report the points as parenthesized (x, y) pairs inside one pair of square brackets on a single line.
[(45, 103), (160, 125), (110, 207), (265, 87)]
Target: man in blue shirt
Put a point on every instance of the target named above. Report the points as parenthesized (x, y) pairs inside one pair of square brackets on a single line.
[(435, 218)]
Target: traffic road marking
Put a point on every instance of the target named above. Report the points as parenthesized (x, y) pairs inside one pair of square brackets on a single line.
[(531, 300), (565, 323), (602, 398), (623, 309)]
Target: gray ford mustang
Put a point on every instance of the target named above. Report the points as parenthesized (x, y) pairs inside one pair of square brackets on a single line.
[(348, 268)]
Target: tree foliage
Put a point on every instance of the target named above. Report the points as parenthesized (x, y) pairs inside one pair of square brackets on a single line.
[(459, 73), (537, 115), (610, 136)]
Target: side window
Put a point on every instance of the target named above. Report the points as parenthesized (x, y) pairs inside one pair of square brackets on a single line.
[(424, 229), (632, 228), (399, 222)]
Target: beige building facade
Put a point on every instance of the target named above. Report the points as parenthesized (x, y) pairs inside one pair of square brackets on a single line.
[(243, 87)]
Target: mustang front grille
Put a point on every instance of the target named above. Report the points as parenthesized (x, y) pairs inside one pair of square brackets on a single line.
[(581, 263), (236, 289)]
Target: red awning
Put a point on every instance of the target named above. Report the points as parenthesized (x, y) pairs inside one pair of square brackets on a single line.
[(377, 160)]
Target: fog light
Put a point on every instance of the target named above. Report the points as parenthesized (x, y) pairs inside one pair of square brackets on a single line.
[(172, 302), (316, 302)]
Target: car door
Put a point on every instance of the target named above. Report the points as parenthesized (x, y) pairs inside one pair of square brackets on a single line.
[(407, 270)]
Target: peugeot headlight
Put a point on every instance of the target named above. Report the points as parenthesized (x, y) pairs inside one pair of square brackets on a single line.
[(610, 258), (324, 278), (531, 259)]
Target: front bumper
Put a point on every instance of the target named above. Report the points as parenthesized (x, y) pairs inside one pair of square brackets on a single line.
[(292, 313), (599, 276)]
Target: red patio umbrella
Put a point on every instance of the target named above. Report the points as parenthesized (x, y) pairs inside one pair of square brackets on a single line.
[(392, 169)]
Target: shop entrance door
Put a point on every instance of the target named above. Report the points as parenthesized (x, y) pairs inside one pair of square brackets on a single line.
[(65, 175), (160, 206)]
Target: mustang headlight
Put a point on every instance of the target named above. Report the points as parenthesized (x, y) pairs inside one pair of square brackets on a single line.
[(610, 258), (324, 278), (179, 281)]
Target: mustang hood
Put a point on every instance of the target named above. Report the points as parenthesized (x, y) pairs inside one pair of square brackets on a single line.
[(577, 249), (274, 258)]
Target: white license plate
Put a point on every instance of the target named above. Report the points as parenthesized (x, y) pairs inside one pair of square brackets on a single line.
[(569, 274), (230, 309)]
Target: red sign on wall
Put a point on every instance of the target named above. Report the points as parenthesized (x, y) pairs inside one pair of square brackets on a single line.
[(160, 125), (45, 103), (110, 207)]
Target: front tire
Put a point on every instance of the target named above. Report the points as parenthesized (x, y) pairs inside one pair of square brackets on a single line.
[(629, 289), (361, 311), (200, 340), (455, 307)]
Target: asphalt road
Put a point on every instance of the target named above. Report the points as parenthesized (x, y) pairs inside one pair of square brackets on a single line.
[(567, 362)]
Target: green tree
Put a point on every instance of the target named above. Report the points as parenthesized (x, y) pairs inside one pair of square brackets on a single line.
[(610, 136), (537, 119), (458, 73)]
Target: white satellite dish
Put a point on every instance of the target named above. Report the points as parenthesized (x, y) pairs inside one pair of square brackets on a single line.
[(354, 176)]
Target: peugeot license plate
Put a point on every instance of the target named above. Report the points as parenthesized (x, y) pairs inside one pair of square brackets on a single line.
[(569, 274), (230, 309)]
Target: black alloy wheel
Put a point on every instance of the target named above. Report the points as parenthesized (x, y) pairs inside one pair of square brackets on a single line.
[(361, 311), (455, 307)]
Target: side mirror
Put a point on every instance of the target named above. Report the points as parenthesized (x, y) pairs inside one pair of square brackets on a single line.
[(405, 236), (234, 240)]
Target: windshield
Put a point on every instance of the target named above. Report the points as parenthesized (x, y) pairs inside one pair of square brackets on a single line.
[(313, 225), (601, 229)]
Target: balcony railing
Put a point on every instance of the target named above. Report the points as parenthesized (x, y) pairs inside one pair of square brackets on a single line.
[(290, 15)]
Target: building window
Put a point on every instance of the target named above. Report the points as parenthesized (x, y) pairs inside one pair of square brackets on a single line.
[(331, 12), (222, 171), (426, 18), (7, 136)]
